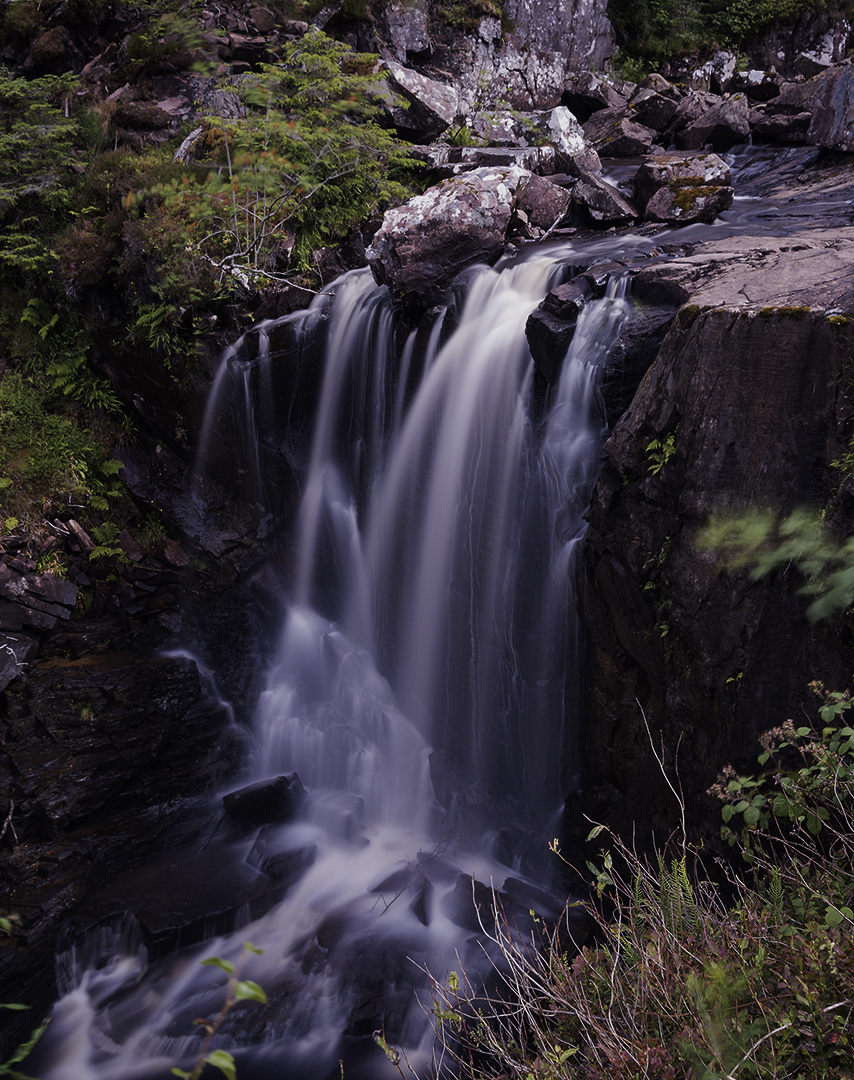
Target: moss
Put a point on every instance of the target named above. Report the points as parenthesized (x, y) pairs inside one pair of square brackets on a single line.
[(838, 321), (687, 315), (687, 192)]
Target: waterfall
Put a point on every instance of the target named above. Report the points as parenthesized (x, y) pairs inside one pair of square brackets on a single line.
[(418, 688)]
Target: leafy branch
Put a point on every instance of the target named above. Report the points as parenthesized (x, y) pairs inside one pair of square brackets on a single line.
[(237, 989)]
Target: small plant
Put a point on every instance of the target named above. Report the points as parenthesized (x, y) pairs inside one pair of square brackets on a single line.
[(237, 989), (660, 451), (107, 544), (54, 563), (758, 540), (9, 924)]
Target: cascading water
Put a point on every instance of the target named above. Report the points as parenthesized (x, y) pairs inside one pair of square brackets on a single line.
[(418, 689)]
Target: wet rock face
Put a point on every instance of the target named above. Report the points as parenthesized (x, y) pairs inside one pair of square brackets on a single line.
[(103, 742), (747, 403)]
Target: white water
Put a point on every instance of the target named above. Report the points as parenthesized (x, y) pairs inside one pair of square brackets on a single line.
[(448, 530)]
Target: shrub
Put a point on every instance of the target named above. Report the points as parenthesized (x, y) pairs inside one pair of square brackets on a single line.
[(690, 979), (306, 163)]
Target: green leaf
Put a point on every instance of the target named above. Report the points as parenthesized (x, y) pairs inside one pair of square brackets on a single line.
[(217, 961), (245, 990), (833, 917), (13, 1006), (249, 947), (223, 1061), (751, 815), (181, 1072), (595, 831)]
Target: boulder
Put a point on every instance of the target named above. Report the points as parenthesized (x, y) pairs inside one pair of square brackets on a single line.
[(652, 108), (690, 109), (788, 128), (545, 203), (585, 93), (422, 245), (561, 129), (556, 127), (551, 327), (832, 124), (602, 201), (683, 188), (828, 101), (578, 164), (613, 133), (811, 64), (449, 161), (277, 800), (716, 74), (720, 126), (433, 105), (757, 85)]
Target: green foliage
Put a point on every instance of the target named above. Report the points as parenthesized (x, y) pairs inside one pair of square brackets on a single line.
[(237, 989), (757, 539), (45, 456), (9, 924), (689, 980), (306, 163), (466, 16), (656, 30), (660, 451), (169, 41), (106, 537), (39, 144)]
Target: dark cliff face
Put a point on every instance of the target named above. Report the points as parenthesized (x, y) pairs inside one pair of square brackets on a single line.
[(750, 405)]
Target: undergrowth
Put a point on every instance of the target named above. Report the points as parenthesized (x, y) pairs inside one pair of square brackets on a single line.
[(702, 969)]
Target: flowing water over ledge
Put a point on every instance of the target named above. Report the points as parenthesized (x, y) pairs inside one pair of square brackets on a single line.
[(418, 690)]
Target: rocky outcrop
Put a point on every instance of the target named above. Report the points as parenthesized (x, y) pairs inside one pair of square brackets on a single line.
[(423, 245), (104, 741), (524, 58), (746, 402)]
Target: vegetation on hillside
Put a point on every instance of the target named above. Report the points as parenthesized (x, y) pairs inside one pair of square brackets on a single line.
[(111, 244), (653, 31)]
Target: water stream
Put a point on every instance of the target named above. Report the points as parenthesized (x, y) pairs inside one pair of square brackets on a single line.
[(418, 689)]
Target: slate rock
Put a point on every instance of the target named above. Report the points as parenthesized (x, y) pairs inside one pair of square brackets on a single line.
[(613, 133), (721, 126), (278, 800)]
